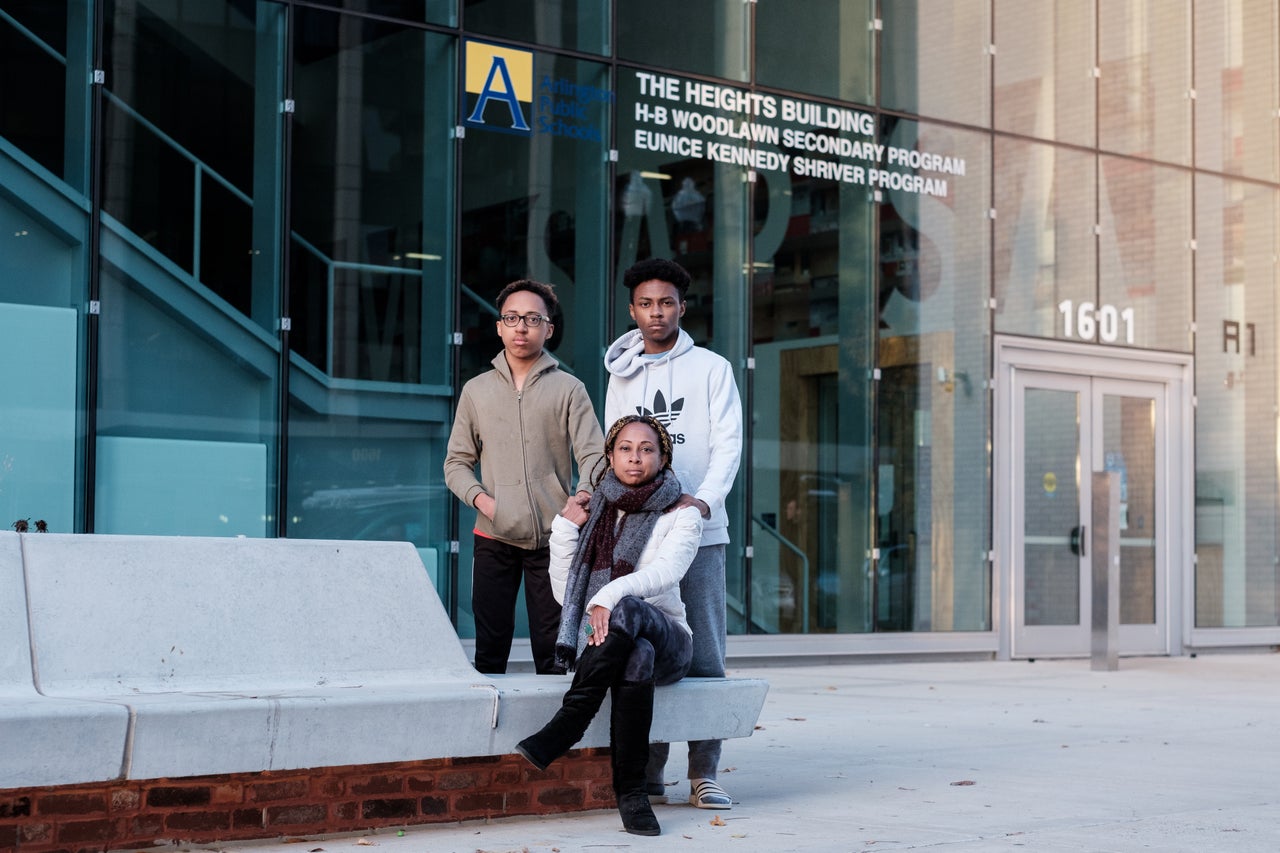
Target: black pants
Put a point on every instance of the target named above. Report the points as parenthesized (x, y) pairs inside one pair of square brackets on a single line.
[(496, 572), (662, 650)]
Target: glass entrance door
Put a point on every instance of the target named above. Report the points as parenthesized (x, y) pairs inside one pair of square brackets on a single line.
[(1060, 419), (1071, 426)]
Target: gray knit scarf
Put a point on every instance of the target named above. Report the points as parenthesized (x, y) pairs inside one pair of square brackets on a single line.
[(608, 550)]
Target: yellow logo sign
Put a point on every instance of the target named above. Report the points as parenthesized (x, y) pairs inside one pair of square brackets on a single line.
[(499, 82)]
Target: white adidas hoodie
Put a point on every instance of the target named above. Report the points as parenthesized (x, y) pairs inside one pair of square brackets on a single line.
[(691, 391)]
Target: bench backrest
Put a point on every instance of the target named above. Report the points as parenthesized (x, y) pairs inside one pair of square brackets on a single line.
[(15, 642), (119, 614)]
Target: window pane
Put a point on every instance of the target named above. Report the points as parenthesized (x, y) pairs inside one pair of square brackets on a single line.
[(533, 205), (1045, 248), (1236, 391), (190, 140), (673, 201), (813, 330), (931, 423), (419, 11), (1044, 66), (188, 377), (371, 162), (1145, 261), (702, 38), (826, 49), (42, 296), (33, 42), (1145, 48), (371, 212), (935, 59), (1237, 87), (581, 25)]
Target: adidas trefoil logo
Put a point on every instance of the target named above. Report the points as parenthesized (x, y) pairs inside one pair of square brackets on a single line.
[(660, 412)]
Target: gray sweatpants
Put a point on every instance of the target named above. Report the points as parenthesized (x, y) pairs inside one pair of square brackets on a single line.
[(703, 592)]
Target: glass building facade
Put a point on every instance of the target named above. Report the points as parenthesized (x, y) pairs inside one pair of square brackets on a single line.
[(961, 254)]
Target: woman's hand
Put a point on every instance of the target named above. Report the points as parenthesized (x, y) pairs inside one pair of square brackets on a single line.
[(575, 509), (598, 618)]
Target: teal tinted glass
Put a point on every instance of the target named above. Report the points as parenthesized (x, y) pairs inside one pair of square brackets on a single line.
[(371, 162), (703, 38), (533, 204), (813, 338), (934, 339), (443, 12), (581, 25), (823, 47), (188, 377), (370, 304)]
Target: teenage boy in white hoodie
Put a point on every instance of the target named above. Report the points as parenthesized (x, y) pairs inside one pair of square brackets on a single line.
[(656, 370)]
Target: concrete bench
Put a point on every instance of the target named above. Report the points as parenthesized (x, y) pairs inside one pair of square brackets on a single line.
[(183, 656), (45, 741)]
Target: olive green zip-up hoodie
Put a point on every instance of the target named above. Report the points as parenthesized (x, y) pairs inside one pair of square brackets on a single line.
[(525, 443)]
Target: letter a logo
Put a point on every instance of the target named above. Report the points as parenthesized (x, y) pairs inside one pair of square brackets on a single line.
[(503, 75)]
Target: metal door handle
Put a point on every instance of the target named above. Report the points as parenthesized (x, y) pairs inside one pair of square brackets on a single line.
[(1078, 540)]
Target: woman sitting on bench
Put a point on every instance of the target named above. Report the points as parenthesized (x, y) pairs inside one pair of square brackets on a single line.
[(616, 566)]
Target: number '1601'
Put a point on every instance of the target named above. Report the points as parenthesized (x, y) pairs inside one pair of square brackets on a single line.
[(1092, 322)]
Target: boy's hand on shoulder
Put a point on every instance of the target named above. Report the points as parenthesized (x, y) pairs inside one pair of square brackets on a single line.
[(689, 500), (575, 509)]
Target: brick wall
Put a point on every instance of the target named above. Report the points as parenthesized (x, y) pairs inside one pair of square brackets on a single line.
[(204, 809)]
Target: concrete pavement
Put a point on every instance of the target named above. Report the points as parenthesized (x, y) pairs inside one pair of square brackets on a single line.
[(1168, 754)]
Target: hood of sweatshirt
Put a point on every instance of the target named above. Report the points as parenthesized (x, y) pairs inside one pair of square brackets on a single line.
[(625, 356)]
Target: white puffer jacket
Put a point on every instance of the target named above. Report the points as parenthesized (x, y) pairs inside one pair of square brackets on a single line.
[(666, 557)]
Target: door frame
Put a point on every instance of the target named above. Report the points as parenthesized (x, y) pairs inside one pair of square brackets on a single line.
[(1175, 372)]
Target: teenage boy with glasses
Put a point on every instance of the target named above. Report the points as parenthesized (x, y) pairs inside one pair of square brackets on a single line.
[(525, 423)]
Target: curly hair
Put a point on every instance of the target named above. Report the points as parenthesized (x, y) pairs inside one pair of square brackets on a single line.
[(537, 288), (664, 442), (659, 269)]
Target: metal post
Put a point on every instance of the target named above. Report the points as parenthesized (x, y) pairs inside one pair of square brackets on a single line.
[(1104, 546)]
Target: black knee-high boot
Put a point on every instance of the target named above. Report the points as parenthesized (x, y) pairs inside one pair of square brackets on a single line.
[(629, 725), (597, 669)]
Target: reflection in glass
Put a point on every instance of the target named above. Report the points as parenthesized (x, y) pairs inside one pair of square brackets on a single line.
[(189, 176), (935, 59), (34, 114), (181, 171), (581, 25), (827, 50), (1045, 248), (931, 428), (703, 38), (1237, 77), (1051, 498), (1129, 447), (681, 205), (369, 300), (1044, 80), (532, 207), (1145, 257), (414, 11), (1145, 79), (813, 329), (1236, 389)]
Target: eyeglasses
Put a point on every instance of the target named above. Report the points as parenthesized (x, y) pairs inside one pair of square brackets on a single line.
[(533, 321)]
